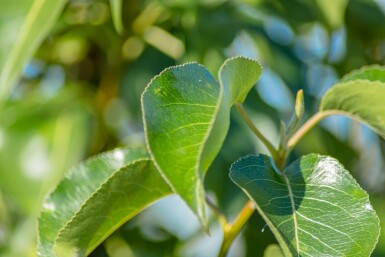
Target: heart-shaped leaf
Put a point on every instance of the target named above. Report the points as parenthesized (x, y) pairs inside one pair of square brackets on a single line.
[(314, 207), (186, 114), (95, 199), (359, 96)]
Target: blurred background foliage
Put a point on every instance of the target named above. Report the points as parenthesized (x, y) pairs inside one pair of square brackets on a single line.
[(79, 95)]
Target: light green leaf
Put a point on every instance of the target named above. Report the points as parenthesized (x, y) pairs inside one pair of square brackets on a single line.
[(95, 199), (116, 11), (186, 114), (31, 31), (237, 76), (360, 96), (314, 207), (371, 73)]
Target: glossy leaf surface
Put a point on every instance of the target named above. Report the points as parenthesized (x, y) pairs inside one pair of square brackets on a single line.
[(33, 28), (314, 207), (186, 114), (360, 95), (95, 199)]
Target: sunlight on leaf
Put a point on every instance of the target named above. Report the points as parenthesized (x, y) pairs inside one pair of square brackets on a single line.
[(314, 207), (95, 199)]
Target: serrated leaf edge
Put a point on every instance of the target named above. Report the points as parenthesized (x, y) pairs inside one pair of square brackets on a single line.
[(360, 70), (201, 213), (64, 227), (231, 59), (270, 224), (69, 174)]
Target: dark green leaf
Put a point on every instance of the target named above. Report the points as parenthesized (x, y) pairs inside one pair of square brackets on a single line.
[(314, 207), (186, 115), (95, 199)]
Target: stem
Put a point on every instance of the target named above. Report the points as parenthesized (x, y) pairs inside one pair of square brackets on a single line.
[(233, 229), (310, 123), (264, 140)]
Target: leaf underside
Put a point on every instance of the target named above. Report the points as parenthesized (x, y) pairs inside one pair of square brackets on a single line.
[(95, 199), (314, 207), (186, 114)]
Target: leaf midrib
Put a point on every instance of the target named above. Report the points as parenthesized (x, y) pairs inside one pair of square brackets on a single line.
[(294, 213)]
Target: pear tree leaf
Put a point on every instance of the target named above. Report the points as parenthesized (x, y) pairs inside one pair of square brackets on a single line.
[(186, 115), (95, 199), (359, 96), (314, 207)]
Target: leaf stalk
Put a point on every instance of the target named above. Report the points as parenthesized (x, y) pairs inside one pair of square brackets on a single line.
[(231, 230), (264, 140), (309, 124)]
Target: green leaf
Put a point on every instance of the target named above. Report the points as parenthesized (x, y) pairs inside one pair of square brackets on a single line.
[(314, 207), (116, 11), (359, 96), (32, 29), (186, 115), (95, 199), (237, 76), (371, 73)]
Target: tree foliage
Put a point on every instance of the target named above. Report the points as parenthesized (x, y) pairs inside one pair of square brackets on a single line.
[(71, 79)]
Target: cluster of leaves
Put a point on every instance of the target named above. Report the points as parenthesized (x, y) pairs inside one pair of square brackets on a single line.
[(80, 95), (313, 206)]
